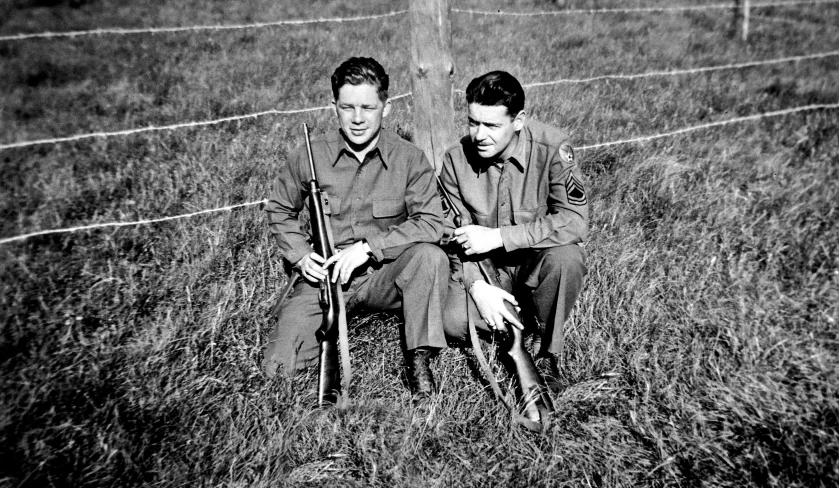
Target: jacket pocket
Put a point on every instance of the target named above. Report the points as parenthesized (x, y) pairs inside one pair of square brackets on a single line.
[(525, 216), (331, 205), (383, 209)]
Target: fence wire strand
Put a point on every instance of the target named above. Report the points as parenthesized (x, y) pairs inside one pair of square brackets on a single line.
[(719, 123), (181, 125), (295, 22), (679, 8), (704, 69), (126, 224), (592, 146), (228, 208), (234, 118), (220, 27)]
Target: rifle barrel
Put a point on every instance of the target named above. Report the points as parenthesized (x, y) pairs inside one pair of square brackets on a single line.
[(458, 217), (309, 150)]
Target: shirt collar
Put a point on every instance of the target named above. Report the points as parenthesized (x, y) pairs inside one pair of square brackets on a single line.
[(381, 148), (519, 155)]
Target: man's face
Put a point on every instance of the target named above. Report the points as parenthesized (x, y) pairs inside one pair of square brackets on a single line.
[(360, 113), (493, 130)]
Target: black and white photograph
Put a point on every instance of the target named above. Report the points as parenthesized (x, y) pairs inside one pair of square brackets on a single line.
[(419, 243)]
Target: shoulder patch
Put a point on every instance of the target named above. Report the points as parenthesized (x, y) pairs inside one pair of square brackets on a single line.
[(574, 191), (566, 152)]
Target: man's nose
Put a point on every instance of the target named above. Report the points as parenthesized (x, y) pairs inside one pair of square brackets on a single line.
[(480, 133), (356, 116)]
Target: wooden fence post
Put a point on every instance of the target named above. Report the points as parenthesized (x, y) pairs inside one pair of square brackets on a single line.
[(745, 20), (432, 67), (741, 11)]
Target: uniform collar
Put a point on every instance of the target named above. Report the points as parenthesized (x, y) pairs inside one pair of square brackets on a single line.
[(381, 148), (519, 155)]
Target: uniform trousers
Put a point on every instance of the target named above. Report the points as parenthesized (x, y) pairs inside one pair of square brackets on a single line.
[(415, 283), (545, 282)]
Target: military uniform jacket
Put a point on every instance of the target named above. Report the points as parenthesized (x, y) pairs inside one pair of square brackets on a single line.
[(536, 197), (390, 198)]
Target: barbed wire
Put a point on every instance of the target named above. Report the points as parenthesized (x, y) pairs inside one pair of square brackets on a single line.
[(720, 123), (679, 8), (772, 18), (181, 125), (125, 224), (160, 30), (715, 124), (705, 69), (234, 118), (294, 22)]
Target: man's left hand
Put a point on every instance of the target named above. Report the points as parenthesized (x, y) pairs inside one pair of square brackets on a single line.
[(346, 261), (476, 239)]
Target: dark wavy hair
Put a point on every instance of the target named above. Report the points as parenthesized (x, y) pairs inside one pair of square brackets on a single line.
[(497, 88), (357, 71)]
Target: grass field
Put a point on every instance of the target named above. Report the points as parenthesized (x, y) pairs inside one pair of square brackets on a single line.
[(702, 352)]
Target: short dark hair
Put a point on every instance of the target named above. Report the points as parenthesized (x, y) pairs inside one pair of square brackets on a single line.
[(497, 88), (357, 71)]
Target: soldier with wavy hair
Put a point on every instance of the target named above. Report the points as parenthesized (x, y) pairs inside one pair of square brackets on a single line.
[(517, 181), (386, 219)]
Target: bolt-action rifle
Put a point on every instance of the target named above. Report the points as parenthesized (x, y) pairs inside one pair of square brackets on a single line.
[(533, 394), (331, 298)]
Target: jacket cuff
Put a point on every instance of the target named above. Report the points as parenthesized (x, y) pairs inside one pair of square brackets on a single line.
[(513, 238), (376, 244), (295, 255)]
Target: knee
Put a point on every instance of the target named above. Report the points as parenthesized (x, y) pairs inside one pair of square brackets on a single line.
[(432, 253), (286, 355), (274, 360), (271, 364), (429, 257), (565, 260), (271, 367)]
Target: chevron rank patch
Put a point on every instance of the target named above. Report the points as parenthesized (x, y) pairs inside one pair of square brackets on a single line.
[(566, 152), (574, 190)]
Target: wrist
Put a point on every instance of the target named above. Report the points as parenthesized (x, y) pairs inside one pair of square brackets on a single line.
[(366, 247), (499, 239), (472, 286)]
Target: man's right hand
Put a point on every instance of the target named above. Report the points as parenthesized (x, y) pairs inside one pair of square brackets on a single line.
[(490, 302), (310, 267)]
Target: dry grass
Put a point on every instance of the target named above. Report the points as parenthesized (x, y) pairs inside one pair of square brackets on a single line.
[(702, 352)]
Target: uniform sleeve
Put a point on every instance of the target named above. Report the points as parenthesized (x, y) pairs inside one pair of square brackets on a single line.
[(567, 214), (425, 212), (462, 268), (284, 205)]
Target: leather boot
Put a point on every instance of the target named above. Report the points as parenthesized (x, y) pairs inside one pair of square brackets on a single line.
[(547, 366), (418, 371)]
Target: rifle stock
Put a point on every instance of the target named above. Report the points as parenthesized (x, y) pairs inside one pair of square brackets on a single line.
[(533, 395), (533, 391), (331, 297)]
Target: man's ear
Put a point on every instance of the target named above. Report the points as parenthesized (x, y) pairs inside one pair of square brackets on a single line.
[(386, 111), (518, 121), (335, 107)]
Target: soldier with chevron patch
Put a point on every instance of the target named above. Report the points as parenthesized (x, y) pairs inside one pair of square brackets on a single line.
[(518, 186)]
